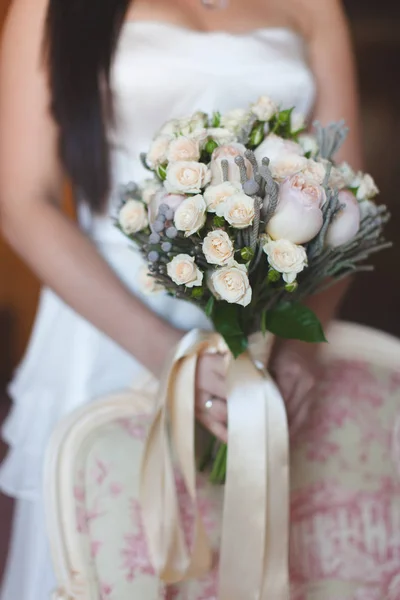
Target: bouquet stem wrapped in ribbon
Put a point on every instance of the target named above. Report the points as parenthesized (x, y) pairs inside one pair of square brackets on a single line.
[(258, 438), (246, 216)]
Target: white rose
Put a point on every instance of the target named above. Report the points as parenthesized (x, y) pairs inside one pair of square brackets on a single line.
[(170, 128), (157, 154), (297, 122), (346, 222), (133, 217), (183, 271), (238, 210), (183, 148), (198, 122), (367, 187), (218, 247), (214, 195), (231, 284), (298, 216), (309, 144), (286, 258), (264, 109), (147, 284), (190, 215), (149, 189), (220, 135), (235, 120), (315, 171), (187, 177), (347, 173), (336, 179), (194, 127), (286, 157), (229, 153)]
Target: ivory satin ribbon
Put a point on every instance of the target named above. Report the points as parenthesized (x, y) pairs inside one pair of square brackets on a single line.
[(255, 528)]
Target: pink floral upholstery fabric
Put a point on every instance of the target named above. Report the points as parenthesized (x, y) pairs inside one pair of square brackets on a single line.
[(345, 528)]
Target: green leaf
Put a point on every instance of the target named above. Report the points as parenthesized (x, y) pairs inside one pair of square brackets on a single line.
[(216, 120), (218, 221), (295, 321), (247, 253), (226, 321), (162, 172), (256, 135), (211, 146), (308, 154), (209, 306)]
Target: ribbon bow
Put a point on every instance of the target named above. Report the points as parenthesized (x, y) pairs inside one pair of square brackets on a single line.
[(254, 548)]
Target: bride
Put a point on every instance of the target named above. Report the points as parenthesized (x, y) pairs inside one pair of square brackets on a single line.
[(84, 105)]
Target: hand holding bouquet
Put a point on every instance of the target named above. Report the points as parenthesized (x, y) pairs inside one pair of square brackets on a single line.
[(246, 216)]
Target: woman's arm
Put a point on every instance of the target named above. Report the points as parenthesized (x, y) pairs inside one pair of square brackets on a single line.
[(333, 65), (30, 189), (332, 62)]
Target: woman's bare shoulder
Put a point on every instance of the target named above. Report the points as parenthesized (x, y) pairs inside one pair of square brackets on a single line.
[(314, 17)]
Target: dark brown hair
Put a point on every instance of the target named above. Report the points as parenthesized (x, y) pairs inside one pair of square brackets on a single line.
[(81, 36)]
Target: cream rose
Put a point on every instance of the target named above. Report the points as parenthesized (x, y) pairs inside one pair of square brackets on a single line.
[(215, 195), (336, 179), (367, 187), (183, 148), (220, 135), (286, 157), (235, 120), (315, 171), (218, 248), (149, 189), (298, 217), (286, 258), (297, 122), (264, 109), (347, 173), (231, 284), (170, 128), (346, 223), (190, 215), (309, 144), (229, 153), (238, 210), (133, 217), (183, 271), (147, 284), (187, 177), (157, 154)]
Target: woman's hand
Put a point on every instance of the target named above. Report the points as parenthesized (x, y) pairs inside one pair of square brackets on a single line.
[(211, 407), (294, 366)]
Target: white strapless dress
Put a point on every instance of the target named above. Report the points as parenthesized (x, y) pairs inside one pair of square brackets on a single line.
[(161, 71)]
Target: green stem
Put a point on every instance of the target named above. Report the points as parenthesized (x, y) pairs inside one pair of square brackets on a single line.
[(218, 472)]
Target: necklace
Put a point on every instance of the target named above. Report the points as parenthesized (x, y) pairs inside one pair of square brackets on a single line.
[(219, 4)]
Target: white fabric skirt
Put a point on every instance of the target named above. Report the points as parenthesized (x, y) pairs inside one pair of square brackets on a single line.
[(68, 363)]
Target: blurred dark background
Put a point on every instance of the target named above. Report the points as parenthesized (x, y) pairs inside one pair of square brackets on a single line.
[(374, 299)]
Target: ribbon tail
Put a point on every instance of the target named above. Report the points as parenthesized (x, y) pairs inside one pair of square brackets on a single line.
[(244, 519)]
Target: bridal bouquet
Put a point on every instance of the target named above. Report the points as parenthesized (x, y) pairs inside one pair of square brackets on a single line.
[(246, 215)]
